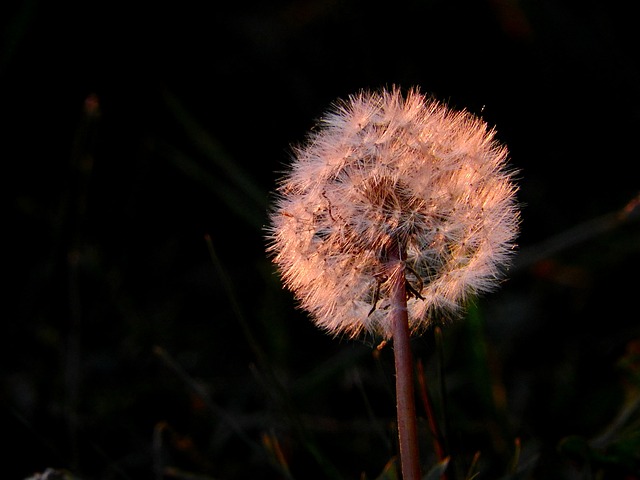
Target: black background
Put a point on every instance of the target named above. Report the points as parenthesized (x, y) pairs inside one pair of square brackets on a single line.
[(132, 132)]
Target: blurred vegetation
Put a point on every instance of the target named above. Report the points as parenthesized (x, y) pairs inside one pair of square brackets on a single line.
[(146, 336)]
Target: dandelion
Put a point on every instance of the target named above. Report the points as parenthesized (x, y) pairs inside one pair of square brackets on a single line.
[(394, 212), (384, 172)]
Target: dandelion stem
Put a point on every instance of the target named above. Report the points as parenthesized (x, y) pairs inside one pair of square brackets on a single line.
[(405, 398)]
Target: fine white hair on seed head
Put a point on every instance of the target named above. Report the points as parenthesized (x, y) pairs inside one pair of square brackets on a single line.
[(385, 168)]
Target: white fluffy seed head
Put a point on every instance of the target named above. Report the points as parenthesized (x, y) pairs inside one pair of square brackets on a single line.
[(382, 168)]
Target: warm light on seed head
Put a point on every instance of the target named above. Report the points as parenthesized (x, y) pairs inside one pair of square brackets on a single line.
[(385, 169)]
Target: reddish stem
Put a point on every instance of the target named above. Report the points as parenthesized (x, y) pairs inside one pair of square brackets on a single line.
[(405, 397)]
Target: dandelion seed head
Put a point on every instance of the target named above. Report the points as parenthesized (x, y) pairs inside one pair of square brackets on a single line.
[(383, 169)]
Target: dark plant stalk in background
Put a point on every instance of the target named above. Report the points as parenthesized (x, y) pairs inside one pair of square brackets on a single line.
[(438, 442)]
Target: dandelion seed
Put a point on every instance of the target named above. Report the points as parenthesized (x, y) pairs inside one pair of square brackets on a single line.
[(386, 172)]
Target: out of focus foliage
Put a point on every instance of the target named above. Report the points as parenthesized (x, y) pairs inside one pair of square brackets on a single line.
[(146, 336)]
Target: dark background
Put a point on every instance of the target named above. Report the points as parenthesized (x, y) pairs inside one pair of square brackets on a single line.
[(133, 348)]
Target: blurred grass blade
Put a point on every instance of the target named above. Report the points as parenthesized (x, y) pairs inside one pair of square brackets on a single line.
[(272, 445), (234, 199), (216, 410), (442, 388), (274, 386), (515, 460), (471, 472), (210, 147), (577, 235), (438, 443), (235, 305), (203, 395), (437, 471), (390, 471), (626, 417)]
